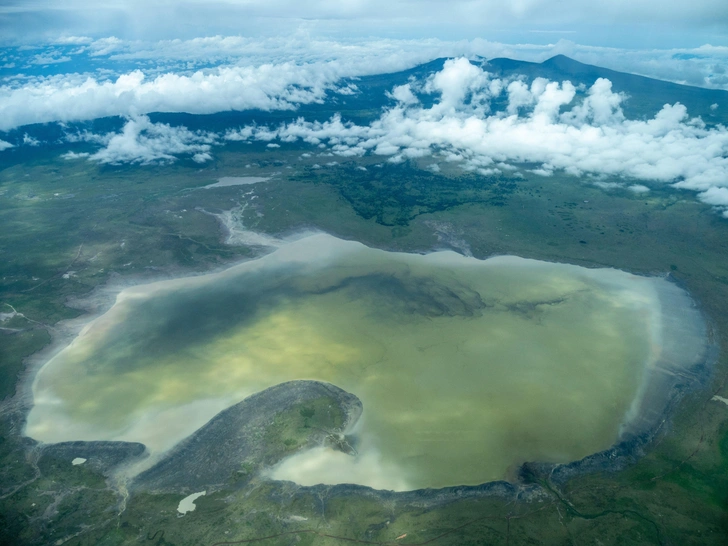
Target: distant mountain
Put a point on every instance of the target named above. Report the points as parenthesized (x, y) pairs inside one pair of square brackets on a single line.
[(646, 95)]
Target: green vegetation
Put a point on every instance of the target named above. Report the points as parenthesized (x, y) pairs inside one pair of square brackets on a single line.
[(17, 344), (393, 195), (289, 430)]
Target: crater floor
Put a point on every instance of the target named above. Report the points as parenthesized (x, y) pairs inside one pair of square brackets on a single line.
[(465, 367)]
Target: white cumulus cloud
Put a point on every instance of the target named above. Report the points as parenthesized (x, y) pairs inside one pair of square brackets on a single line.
[(30, 141), (143, 142), (49, 59), (265, 87)]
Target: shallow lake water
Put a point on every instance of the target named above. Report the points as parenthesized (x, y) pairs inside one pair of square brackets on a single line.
[(465, 367)]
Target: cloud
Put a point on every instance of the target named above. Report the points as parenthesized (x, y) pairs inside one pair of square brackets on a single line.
[(547, 123), (106, 46), (715, 196), (143, 142), (74, 40), (201, 157), (30, 141), (266, 87), (49, 59), (403, 94), (5, 145), (74, 155), (281, 86), (703, 66)]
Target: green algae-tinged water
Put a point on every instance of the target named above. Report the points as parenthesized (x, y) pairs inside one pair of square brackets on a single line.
[(465, 367)]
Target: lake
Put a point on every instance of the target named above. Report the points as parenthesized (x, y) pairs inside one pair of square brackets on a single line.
[(465, 367)]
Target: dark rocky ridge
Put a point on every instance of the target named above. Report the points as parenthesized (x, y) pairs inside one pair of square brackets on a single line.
[(208, 458), (424, 499)]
